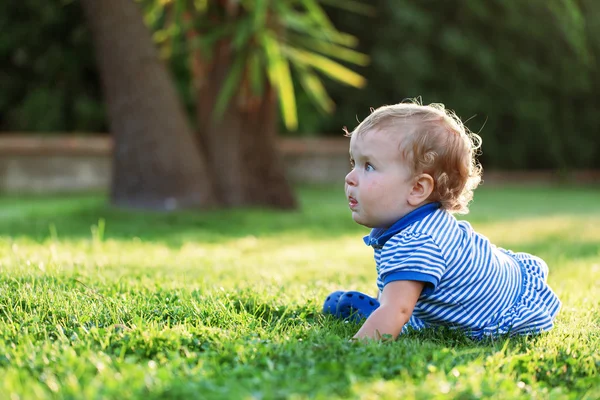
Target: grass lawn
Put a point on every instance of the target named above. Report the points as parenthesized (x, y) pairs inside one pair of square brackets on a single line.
[(99, 303)]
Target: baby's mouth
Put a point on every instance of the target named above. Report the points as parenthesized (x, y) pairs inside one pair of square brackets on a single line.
[(352, 203)]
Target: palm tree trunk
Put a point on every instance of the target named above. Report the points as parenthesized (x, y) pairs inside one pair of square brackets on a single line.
[(156, 162), (241, 147)]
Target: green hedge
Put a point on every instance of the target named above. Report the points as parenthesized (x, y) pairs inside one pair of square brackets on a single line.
[(524, 73), (48, 78)]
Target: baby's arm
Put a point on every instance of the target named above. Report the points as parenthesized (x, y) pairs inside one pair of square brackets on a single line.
[(398, 300)]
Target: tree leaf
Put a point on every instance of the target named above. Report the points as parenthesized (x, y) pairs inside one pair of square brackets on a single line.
[(299, 23), (314, 88), (260, 11), (327, 66), (243, 32), (281, 78), (316, 12), (230, 86), (256, 71), (352, 6), (330, 49), (206, 41)]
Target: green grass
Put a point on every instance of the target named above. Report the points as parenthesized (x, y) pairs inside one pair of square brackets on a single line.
[(100, 303)]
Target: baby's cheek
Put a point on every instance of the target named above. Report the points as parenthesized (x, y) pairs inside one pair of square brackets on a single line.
[(378, 186), (373, 185), (378, 192)]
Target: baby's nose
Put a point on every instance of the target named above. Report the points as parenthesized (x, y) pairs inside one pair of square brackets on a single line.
[(351, 178)]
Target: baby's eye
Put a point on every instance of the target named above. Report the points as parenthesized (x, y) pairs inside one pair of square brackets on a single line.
[(369, 167), (351, 163)]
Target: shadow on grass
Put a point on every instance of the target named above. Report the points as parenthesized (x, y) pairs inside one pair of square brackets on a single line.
[(322, 214)]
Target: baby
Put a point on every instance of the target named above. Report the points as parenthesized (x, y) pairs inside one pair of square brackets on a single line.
[(413, 166)]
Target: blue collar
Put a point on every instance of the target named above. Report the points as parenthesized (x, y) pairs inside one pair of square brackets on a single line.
[(379, 236)]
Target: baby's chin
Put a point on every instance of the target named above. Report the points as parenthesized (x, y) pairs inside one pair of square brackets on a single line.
[(356, 217), (375, 225), (361, 221)]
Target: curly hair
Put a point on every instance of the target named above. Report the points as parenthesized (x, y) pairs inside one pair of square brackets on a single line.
[(435, 142)]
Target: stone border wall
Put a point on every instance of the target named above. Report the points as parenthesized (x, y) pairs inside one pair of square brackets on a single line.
[(43, 164)]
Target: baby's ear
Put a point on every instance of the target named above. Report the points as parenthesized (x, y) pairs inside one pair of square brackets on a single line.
[(421, 190)]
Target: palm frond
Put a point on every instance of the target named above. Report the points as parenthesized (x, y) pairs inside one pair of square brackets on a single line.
[(357, 7), (230, 86), (281, 78), (314, 88), (329, 49), (329, 67)]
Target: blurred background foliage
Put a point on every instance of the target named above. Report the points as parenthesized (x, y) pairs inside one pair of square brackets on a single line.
[(524, 74), (48, 77)]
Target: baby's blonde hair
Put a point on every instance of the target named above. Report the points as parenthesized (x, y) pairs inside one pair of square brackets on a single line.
[(436, 143)]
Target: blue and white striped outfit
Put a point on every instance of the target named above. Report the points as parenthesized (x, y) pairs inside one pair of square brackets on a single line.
[(470, 284)]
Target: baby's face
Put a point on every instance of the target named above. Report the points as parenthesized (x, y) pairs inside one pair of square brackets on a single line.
[(380, 182)]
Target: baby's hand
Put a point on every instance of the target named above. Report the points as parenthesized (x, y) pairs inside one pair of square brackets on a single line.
[(398, 300)]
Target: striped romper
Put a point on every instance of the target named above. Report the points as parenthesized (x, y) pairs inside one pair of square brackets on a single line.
[(470, 284)]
